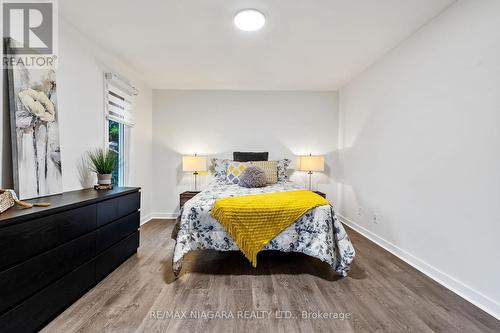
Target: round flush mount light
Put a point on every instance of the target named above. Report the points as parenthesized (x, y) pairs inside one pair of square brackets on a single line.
[(249, 20)]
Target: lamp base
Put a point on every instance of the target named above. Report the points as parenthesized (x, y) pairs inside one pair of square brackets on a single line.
[(195, 176)]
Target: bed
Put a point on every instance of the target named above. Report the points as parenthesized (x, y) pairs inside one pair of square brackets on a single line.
[(317, 233)]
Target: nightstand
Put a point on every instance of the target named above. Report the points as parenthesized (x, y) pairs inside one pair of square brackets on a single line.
[(185, 196), (320, 193)]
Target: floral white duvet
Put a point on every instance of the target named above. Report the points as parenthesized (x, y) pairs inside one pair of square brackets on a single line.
[(317, 233)]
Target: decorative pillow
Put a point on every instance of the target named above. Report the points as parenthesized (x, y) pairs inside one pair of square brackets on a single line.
[(234, 170), (239, 156), (253, 176), (270, 168), (219, 168), (283, 169)]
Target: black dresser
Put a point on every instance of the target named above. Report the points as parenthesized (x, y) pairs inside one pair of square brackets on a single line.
[(49, 257)]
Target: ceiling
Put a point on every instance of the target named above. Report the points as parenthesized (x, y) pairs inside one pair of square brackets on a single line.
[(305, 44)]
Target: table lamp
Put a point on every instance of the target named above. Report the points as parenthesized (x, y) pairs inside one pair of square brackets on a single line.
[(311, 163), (194, 164)]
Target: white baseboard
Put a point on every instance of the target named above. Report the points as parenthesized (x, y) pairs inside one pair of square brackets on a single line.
[(158, 216), (461, 289)]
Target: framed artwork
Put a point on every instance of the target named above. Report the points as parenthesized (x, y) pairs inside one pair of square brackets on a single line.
[(36, 153)]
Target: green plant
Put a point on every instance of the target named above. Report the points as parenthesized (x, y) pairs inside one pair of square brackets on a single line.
[(102, 161)]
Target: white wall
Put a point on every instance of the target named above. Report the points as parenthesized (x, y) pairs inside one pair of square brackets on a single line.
[(80, 81), (421, 147), (216, 123)]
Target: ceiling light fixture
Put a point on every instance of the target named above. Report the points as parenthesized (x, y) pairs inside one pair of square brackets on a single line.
[(249, 20)]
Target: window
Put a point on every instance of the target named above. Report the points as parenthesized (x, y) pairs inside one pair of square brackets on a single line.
[(119, 119), (116, 144)]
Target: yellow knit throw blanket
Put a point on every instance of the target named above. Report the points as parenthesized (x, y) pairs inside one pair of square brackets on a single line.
[(254, 220)]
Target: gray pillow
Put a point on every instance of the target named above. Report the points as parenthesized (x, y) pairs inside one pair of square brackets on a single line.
[(253, 177)]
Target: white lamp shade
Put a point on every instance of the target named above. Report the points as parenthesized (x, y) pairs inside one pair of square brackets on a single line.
[(312, 163), (194, 163)]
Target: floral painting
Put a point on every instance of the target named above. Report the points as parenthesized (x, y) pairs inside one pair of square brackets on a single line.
[(36, 151)]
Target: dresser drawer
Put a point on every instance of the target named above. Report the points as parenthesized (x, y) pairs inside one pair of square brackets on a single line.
[(23, 280), (115, 231), (38, 310), (25, 240), (107, 261), (115, 208)]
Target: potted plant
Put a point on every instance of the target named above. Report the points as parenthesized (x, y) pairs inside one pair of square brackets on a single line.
[(103, 163)]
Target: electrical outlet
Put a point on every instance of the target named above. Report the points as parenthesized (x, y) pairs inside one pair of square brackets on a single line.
[(376, 218), (360, 211)]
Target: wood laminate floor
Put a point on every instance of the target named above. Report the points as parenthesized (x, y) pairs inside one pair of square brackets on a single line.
[(382, 293)]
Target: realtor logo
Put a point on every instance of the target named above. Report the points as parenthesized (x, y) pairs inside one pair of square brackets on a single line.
[(30, 26)]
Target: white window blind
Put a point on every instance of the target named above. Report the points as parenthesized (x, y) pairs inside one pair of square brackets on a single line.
[(119, 100)]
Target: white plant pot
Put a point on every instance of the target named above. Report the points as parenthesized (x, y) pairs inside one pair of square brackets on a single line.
[(104, 179)]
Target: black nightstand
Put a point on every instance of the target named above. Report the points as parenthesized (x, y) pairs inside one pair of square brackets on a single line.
[(185, 196), (320, 193)]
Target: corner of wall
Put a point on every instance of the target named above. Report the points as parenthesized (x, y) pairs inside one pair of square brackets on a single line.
[(5, 136)]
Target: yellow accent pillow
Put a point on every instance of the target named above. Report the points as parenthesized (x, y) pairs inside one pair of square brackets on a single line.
[(270, 168), (234, 171)]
